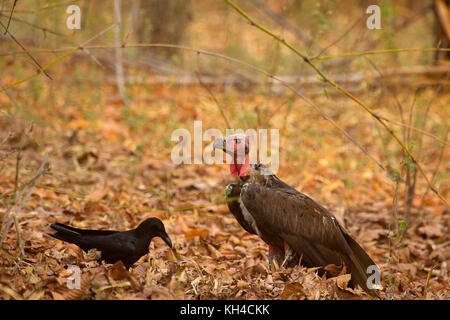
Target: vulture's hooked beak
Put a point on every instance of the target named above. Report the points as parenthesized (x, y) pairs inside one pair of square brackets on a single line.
[(219, 143)]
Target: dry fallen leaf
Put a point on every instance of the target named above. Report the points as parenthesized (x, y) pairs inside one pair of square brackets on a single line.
[(292, 291), (430, 231)]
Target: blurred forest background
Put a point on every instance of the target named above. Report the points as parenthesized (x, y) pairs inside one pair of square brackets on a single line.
[(88, 141)]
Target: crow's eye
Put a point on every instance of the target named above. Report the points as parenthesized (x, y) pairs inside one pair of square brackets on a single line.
[(238, 141)]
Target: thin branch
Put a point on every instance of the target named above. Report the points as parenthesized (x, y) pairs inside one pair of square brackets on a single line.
[(280, 19), (10, 16), (341, 89), (165, 45), (346, 32), (211, 94), (25, 50), (425, 133), (16, 180), (382, 51), (6, 155), (45, 7), (10, 219), (118, 53), (436, 169), (25, 189), (425, 116), (390, 90), (19, 237), (35, 26)]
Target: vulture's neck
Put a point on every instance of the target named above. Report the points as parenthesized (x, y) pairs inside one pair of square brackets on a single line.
[(240, 167)]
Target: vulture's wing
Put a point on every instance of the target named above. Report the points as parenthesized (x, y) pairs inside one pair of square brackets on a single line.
[(307, 227)]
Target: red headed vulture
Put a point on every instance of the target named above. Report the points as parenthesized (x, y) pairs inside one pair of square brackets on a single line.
[(295, 227)]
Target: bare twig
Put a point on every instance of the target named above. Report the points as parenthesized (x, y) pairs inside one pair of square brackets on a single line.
[(10, 16), (4, 156), (395, 204), (16, 180), (424, 292), (211, 94), (25, 50), (278, 18), (118, 52), (166, 45), (382, 51), (45, 30), (9, 219), (390, 90), (345, 33), (410, 176), (436, 169), (425, 116), (425, 133)]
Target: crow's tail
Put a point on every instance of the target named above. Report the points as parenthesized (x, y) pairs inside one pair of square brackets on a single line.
[(65, 233)]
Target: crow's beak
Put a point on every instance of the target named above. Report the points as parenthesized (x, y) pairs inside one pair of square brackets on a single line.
[(166, 239), (219, 143)]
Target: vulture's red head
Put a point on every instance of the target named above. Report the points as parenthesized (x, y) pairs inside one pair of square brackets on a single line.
[(237, 146)]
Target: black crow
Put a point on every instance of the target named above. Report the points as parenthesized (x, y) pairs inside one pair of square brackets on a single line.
[(127, 246)]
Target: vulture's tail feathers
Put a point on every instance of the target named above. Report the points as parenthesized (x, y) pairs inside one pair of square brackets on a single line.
[(359, 262)]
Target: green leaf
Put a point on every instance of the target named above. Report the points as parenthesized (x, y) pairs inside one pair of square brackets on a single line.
[(326, 92), (395, 176), (402, 224)]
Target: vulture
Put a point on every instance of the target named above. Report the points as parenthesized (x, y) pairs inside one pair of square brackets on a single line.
[(296, 228), (127, 246)]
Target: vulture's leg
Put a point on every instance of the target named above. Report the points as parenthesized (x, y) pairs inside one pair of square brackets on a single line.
[(290, 257), (275, 253)]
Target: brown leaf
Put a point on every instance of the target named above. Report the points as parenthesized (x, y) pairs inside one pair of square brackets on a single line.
[(100, 192), (214, 252), (57, 296), (292, 291), (192, 233), (335, 270), (406, 268), (13, 294), (118, 271), (430, 231), (342, 281)]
